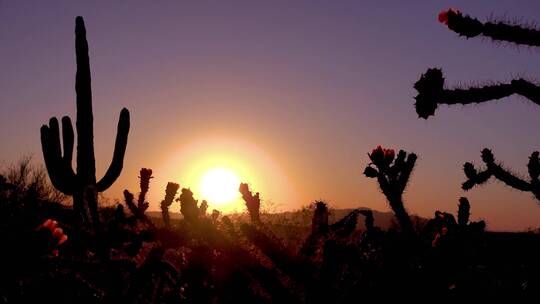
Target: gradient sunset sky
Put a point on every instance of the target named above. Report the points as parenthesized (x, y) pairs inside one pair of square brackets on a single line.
[(291, 93)]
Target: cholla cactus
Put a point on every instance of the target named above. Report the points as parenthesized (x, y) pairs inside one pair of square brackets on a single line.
[(129, 200), (188, 206), (170, 193), (470, 27), (393, 176), (430, 87), (444, 224), (463, 211), (431, 92), (346, 226), (139, 209), (82, 185), (492, 169), (253, 202), (319, 223), (369, 220), (215, 215), (144, 183), (203, 207)]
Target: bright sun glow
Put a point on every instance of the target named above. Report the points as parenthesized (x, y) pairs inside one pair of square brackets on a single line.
[(219, 186)]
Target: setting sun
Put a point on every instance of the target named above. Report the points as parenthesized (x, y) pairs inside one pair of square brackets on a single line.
[(219, 186)]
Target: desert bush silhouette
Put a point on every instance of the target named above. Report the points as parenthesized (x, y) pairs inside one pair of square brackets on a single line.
[(430, 87), (82, 185)]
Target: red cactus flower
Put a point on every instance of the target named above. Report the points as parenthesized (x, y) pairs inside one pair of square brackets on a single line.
[(382, 157), (377, 155), (389, 155), (57, 233), (443, 15)]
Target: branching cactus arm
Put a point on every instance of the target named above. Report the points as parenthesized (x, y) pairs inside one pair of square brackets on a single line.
[(475, 177), (469, 27)]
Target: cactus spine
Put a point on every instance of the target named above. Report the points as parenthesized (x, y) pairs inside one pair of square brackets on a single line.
[(82, 184)]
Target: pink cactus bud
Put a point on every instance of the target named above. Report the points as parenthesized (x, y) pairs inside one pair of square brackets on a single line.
[(389, 155), (443, 15)]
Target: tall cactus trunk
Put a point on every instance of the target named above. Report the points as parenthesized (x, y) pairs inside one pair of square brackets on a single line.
[(82, 185), (396, 203), (86, 168)]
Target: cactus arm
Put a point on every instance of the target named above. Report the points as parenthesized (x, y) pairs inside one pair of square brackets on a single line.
[(476, 95), (408, 166), (509, 179), (50, 144), (499, 31), (86, 166), (119, 151), (496, 170), (431, 92), (67, 139)]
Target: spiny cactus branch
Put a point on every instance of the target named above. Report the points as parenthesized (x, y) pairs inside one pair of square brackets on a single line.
[(144, 184), (496, 170), (469, 27), (431, 92)]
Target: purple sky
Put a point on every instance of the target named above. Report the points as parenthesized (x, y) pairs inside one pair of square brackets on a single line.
[(315, 84)]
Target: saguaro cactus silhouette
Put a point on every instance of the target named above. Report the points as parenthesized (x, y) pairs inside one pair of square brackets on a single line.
[(393, 176), (493, 169), (430, 87), (82, 185)]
